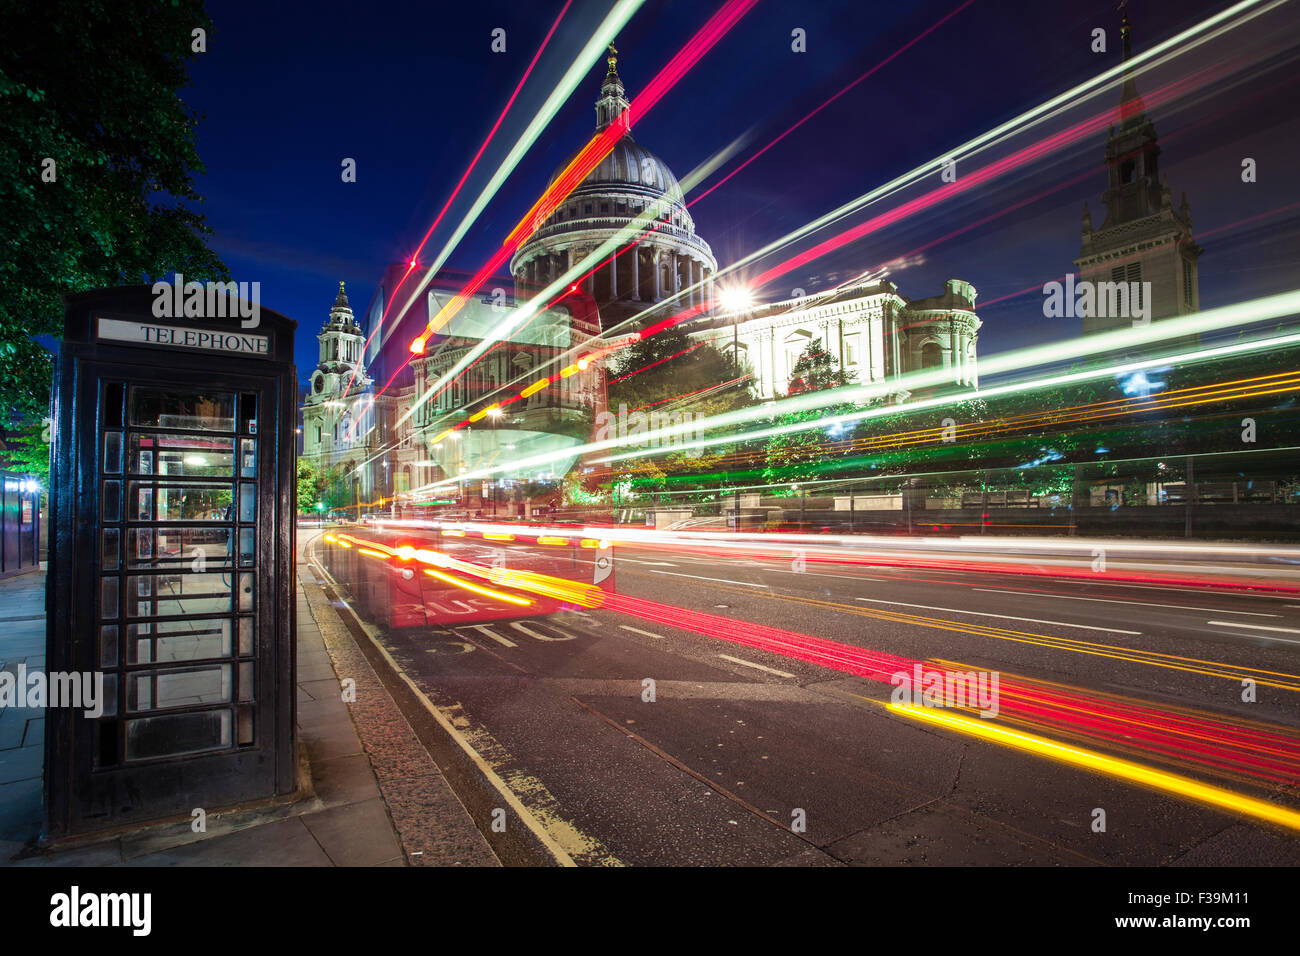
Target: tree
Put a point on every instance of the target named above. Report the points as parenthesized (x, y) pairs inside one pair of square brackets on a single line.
[(336, 489), (310, 487), (97, 158), (802, 454), (25, 451), (671, 365), (815, 370)]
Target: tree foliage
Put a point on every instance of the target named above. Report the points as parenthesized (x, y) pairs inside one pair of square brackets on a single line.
[(26, 451), (310, 487), (91, 85), (800, 455), (815, 370), (671, 365)]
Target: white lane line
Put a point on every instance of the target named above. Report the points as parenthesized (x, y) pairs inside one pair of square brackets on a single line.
[(525, 629), (1170, 587), (660, 564), (698, 577), (637, 630), (770, 670), (505, 641), (1256, 627), (1179, 607), (850, 577), (1005, 617)]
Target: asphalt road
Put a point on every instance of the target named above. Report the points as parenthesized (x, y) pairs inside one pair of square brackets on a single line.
[(740, 755)]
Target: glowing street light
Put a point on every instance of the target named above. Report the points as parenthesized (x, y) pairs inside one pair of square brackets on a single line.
[(735, 299)]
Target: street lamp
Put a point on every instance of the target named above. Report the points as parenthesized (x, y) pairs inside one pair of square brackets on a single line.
[(735, 300)]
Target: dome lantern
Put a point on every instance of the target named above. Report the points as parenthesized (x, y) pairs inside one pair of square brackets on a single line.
[(613, 99)]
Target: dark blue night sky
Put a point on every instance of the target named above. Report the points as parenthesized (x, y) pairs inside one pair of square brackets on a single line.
[(287, 90)]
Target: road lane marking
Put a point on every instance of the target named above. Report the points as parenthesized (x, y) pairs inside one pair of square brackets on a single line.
[(1193, 590), (697, 577), (770, 670), (1005, 617), (850, 577), (1178, 607), (637, 630), (495, 636), (1259, 627), (525, 629), (660, 564)]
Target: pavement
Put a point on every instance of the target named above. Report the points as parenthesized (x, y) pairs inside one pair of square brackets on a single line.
[(369, 793)]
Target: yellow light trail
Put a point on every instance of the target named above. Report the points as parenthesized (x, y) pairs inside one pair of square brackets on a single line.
[(1100, 763), (1017, 688), (488, 592)]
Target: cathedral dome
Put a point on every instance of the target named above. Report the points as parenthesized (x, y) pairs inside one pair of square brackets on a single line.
[(629, 192), (629, 164)]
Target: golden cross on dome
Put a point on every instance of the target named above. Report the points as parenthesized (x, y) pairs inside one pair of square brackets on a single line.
[(613, 56)]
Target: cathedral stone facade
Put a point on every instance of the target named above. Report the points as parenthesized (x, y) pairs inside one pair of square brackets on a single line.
[(869, 331)]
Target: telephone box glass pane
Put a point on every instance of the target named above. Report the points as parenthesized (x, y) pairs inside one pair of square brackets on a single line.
[(180, 502), (176, 408), (185, 456), (172, 734), (179, 548), (112, 452)]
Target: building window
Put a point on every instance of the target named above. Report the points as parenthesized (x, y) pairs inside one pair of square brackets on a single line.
[(1132, 274), (931, 355), (852, 349), (604, 207), (1134, 277)]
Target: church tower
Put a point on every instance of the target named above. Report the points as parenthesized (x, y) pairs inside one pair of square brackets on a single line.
[(332, 424), (1143, 238)]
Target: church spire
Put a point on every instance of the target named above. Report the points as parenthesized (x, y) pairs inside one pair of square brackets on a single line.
[(613, 99), (1132, 110), (341, 311)]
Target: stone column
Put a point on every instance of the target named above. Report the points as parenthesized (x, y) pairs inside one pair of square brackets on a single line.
[(658, 267), (636, 273), (613, 277)]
